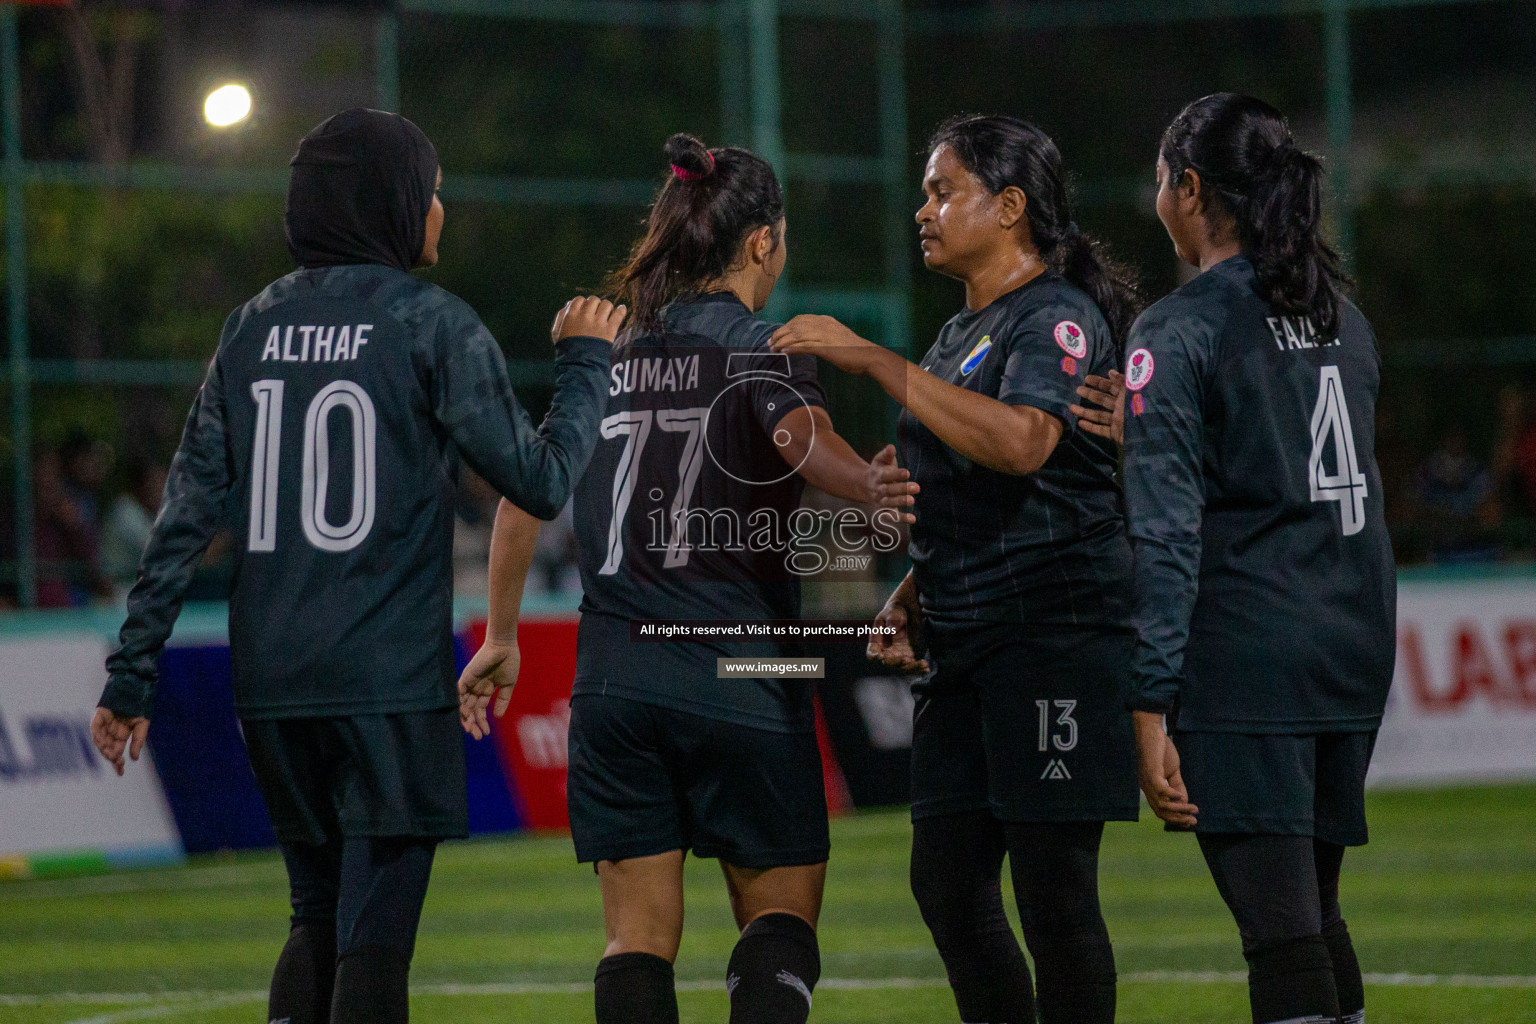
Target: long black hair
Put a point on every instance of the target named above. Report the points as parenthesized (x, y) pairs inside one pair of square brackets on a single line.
[(1004, 151), (1252, 170), (712, 198)]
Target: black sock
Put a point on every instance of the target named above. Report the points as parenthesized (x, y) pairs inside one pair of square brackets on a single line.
[(372, 987), (635, 988), (957, 864), (774, 967), (1075, 981), (1292, 980), (305, 974), (1346, 973)]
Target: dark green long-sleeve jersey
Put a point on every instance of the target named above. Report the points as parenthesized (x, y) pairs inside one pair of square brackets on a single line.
[(327, 436), (1264, 584)]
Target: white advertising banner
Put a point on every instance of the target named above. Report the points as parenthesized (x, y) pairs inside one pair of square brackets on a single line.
[(57, 795), (1463, 701)]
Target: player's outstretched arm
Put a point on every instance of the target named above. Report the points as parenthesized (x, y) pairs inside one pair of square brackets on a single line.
[(190, 512), (536, 467), (1014, 439), (821, 456), (898, 641), (492, 672)]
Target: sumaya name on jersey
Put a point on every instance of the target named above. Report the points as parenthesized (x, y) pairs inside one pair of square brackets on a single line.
[(671, 373), (1293, 332), (315, 344)]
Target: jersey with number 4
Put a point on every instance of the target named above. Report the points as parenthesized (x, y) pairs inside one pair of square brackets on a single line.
[(1264, 580), (327, 437)]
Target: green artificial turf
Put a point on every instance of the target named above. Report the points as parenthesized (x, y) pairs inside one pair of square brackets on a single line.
[(513, 928)]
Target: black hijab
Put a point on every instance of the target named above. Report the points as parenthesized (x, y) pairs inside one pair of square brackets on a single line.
[(361, 187)]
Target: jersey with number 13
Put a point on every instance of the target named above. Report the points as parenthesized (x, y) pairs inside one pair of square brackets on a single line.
[(1265, 587)]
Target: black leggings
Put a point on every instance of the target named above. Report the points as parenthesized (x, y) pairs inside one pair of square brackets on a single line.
[(356, 908), (957, 879), (1283, 892)]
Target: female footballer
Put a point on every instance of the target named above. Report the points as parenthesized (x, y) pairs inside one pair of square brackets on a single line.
[(1265, 589), (688, 512), (331, 424), (1019, 588)]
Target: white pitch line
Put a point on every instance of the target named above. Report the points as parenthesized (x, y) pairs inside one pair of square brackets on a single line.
[(167, 1009), (166, 1002)]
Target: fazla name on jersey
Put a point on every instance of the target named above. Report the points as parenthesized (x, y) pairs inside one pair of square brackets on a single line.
[(1294, 332), (331, 344), (675, 373)]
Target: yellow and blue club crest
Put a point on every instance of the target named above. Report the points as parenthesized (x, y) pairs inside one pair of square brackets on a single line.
[(977, 355)]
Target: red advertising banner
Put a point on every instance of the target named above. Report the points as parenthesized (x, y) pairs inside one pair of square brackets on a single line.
[(530, 737), (1463, 701)]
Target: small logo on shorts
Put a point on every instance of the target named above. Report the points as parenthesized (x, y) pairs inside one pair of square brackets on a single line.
[(1138, 405), (1071, 339), (1138, 370), (1069, 365), (1056, 768)]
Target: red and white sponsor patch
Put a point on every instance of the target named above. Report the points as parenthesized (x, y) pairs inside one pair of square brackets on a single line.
[(1072, 339), (1138, 370)]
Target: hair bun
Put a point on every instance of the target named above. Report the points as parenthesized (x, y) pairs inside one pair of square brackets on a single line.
[(689, 157)]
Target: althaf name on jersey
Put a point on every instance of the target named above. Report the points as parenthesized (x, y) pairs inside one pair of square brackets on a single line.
[(332, 343), (1265, 588), (327, 437)]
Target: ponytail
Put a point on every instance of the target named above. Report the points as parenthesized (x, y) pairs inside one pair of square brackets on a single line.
[(1003, 151), (1086, 263), (712, 198), (1252, 170)]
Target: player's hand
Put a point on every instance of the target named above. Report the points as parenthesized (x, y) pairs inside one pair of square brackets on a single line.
[(899, 650), (587, 316), (1108, 393), (112, 733), (490, 674), (889, 485), (1157, 767), (826, 338)]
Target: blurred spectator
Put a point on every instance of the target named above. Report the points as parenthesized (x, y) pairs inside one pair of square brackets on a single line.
[(68, 538), (1458, 508), (129, 520)]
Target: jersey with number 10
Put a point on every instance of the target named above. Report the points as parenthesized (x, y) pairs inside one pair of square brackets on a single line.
[(327, 437), (1265, 588)]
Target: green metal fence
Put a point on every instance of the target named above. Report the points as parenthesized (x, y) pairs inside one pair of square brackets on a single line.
[(751, 113)]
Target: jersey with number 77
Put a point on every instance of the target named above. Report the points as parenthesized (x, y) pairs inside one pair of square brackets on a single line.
[(327, 437), (1264, 582)]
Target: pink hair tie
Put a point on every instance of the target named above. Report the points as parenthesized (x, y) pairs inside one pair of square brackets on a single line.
[(684, 174)]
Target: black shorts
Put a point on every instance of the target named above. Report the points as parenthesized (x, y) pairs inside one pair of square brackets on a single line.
[(1033, 728), (645, 779), (361, 775), (1311, 785)]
